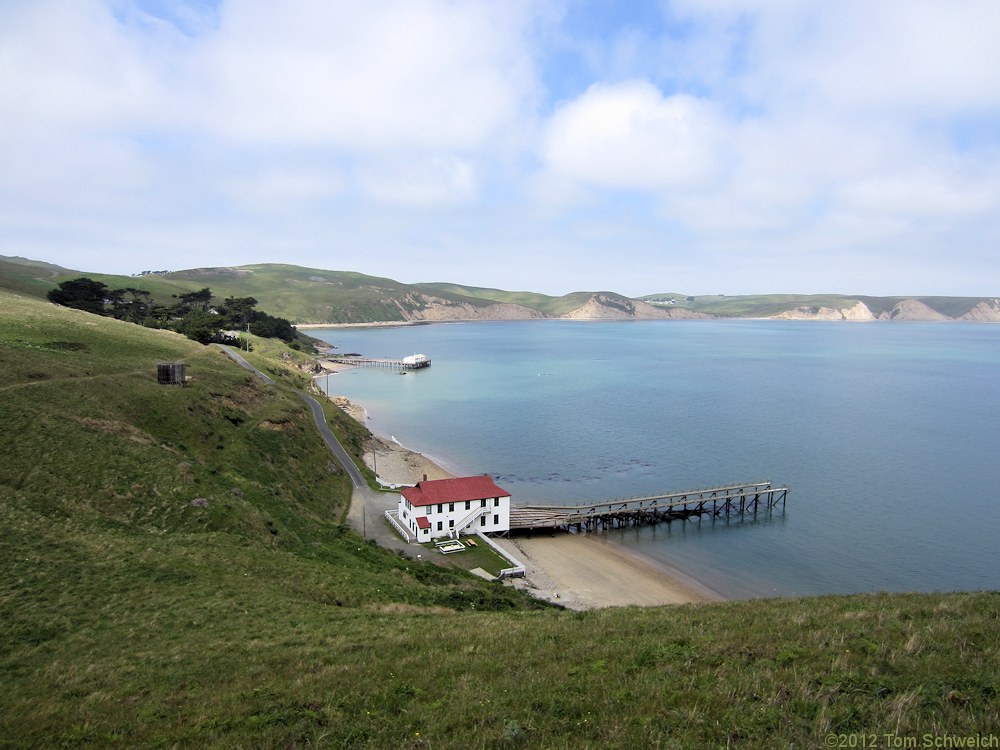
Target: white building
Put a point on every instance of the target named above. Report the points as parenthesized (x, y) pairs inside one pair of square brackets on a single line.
[(450, 507), (416, 361)]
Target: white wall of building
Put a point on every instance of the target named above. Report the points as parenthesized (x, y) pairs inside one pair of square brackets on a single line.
[(444, 517)]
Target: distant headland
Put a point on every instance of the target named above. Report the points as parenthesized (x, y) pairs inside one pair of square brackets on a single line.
[(310, 296)]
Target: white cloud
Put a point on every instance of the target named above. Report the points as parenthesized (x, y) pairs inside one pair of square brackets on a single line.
[(924, 191), (630, 136), (820, 131), (889, 55), (778, 135), (426, 73), (420, 181), (69, 64), (280, 187)]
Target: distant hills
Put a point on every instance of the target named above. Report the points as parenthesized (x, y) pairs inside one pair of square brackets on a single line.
[(833, 307), (315, 296)]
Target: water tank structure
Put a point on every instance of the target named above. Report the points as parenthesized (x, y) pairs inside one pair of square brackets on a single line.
[(171, 373)]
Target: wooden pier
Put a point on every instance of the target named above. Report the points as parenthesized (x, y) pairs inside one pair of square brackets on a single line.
[(413, 362), (729, 500)]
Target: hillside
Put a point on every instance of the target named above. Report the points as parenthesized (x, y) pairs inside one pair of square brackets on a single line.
[(833, 307), (314, 296), (303, 295), (133, 616), (308, 295)]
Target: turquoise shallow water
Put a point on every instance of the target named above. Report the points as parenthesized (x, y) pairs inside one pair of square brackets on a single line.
[(886, 434)]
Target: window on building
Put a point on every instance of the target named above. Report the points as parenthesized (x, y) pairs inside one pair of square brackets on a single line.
[(496, 520), (482, 520), (440, 508), (468, 504), (496, 502), (439, 525), (482, 503), (451, 507), (451, 524)]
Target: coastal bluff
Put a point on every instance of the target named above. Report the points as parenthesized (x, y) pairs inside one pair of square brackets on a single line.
[(986, 311)]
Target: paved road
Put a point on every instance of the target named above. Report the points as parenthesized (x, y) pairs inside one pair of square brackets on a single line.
[(318, 417), (367, 512), (331, 440), (238, 359)]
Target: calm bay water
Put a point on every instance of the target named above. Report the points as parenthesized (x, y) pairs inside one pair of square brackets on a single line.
[(886, 433)]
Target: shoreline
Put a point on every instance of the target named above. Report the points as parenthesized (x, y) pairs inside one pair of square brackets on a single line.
[(585, 571), (393, 464), (374, 324), (576, 571)]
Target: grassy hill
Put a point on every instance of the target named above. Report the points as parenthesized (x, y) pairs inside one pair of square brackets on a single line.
[(302, 295), (551, 306), (30, 276), (309, 295), (132, 617)]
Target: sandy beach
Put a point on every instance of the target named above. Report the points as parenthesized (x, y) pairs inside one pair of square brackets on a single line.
[(578, 571), (584, 571), (379, 324), (393, 464)]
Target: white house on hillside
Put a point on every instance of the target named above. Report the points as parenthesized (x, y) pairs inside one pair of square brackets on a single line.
[(450, 507)]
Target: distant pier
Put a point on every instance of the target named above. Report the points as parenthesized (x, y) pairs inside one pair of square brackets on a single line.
[(413, 362), (728, 500)]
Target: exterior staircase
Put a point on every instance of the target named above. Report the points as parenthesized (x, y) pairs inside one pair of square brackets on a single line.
[(468, 520)]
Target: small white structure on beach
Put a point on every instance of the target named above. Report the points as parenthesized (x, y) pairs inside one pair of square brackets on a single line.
[(450, 507)]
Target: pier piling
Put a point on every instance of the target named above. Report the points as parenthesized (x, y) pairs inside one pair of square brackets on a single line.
[(724, 501)]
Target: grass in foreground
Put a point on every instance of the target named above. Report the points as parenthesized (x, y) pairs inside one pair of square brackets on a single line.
[(130, 617)]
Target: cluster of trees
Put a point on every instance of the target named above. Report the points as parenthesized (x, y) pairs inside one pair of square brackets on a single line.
[(192, 313)]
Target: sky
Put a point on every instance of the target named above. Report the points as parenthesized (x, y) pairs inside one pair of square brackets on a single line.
[(690, 146)]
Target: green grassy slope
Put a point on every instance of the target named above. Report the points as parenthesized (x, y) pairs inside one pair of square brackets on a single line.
[(552, 306), (309, 295), (28, 276), (131, 618), (760, 305), (302, 295)]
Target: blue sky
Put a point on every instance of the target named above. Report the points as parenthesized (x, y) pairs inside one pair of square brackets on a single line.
[(697, 146)]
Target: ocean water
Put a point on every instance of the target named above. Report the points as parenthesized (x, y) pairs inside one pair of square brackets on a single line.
[(887, 435)]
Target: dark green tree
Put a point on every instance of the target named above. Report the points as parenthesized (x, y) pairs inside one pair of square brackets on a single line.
[(268, 326), (238, 311), (199, 300), (81, 294), (130, 304), (199, 325)]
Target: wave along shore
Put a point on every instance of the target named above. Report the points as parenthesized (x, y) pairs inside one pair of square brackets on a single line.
[(578, 571)]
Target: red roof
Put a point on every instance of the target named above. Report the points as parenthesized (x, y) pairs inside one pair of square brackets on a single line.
[(453, 490), (423, 523)]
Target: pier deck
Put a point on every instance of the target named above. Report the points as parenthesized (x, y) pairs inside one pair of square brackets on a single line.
[(728, 500), (407, 363)]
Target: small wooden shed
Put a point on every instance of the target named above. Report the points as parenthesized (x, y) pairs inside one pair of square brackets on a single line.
[(171, 373)]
